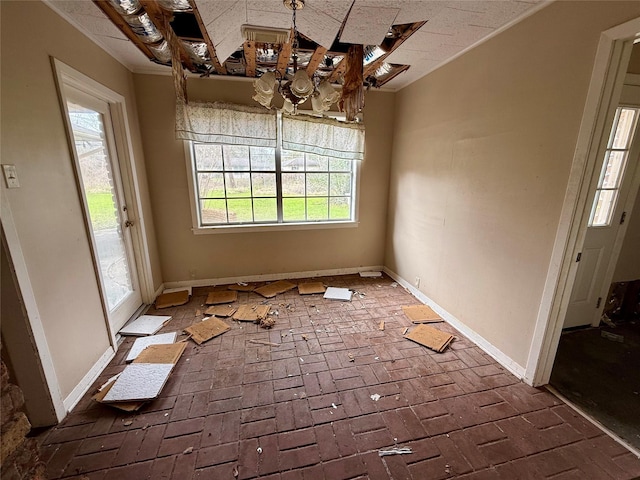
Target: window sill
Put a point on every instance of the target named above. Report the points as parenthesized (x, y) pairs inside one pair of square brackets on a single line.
[(279, 227)]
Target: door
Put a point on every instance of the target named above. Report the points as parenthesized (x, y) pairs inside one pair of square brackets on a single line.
[(100, 183), (607, 216)]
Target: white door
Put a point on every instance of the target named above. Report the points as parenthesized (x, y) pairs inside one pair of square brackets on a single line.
[(100, 182), (607, 216)]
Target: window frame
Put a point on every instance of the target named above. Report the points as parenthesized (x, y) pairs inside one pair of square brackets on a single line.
[(278, 225)]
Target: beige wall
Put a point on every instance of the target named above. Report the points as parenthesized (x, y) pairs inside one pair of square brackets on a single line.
[(214, 256), (481, 157), (46, 208)]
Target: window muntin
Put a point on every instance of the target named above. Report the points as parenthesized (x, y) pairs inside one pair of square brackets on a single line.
[(240, 185), (613, 167)]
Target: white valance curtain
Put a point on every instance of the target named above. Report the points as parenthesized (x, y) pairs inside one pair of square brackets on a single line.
[(323, 136), (225, 123)]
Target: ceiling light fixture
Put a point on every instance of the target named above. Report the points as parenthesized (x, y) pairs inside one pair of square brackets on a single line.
[(300, 87)]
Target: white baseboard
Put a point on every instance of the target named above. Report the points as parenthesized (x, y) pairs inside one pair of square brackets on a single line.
[(271, 276), (497, 354), (158, 291), (76, 394)]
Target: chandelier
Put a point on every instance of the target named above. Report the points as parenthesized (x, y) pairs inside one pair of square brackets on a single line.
[(301, 87)]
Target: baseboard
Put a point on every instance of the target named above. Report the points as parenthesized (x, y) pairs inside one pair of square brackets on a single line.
[(497, 354), (159, 290), (76, 394), (271, 277)]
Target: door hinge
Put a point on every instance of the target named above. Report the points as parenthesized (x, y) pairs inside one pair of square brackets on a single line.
[(579, 256), (623, 217), (599, 302)]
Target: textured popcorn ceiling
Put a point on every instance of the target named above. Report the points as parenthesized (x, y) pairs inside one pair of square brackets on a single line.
[(452, 26)]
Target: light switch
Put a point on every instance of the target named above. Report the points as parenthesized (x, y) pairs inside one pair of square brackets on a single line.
[(11, 176)]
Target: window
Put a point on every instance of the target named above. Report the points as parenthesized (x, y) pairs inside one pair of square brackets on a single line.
[(255, 185), (613, 167)]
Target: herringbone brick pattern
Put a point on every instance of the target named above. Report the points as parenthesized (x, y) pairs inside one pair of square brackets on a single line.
[(304, 410)]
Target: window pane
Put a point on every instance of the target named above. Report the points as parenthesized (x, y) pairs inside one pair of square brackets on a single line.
[(208, 157), (317, 184), (292, 161), (604, 203), (238, 184), (622, 136), (340, 184), (292, 184), (263, 158), (340, 208), (293, 209), (213, 211), (317, 162), (318, 208), (265, 210), (210, 185), (264, 184), (613, 169), (340, 165), (240, 210), (236, 157)]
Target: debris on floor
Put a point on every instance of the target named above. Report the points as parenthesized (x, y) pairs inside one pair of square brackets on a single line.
[(381, 326), (264, 342), (163, 353), (370, 274), (614, 337), (421, 314), (273, 289), (430, 337), (406, 329), (351, 357), (221, 311), (207, 329), (375, 397), (395, 451), (145, 325), (310, 288), (242, 287), (334, 293), (226, 296), (172, 299), (251, 313), (267, 322), (143, 342)]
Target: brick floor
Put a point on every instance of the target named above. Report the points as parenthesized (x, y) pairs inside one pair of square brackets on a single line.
[(307, 406)]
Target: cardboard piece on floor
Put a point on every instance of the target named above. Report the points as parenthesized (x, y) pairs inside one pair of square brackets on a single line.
[(275, 288), (226, 296), (370, 274), (207, 329), (239, 287), (221, 310), (167, 353), (334, 293), (144, 325), (172, 299), (430, 337), (125, 406), (143, 342), (178, 289), (251, 313), (311, 287), (139, 382), (421, 314)]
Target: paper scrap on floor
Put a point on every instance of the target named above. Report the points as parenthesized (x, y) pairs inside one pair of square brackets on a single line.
[(225, 296), (125, 406), (370, 274), (172, 299), (421, 314), (145, 325), (139, 381), (334, 293), (221, 310), (273, 289), (143, 342), (207, 329), (242, 287), (167, 353), (251, 313), (310, 288), (430, 337)]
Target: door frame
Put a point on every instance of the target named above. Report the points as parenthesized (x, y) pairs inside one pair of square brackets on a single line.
[(67, 76), (607, 78)]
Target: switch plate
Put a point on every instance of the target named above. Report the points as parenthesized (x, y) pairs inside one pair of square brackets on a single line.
[(11, 176)]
